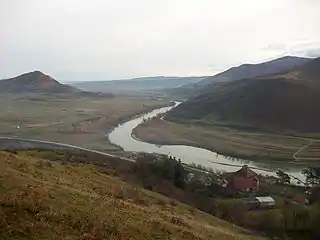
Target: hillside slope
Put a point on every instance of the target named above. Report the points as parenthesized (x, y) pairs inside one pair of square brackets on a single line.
[(37, 82), (41, 199), (34, 82), (286, 101), (244, 71)]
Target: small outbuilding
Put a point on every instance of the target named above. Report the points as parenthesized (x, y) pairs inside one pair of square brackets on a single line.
[(261, 202)]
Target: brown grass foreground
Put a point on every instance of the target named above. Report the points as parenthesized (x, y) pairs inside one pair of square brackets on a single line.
[(42, 199)]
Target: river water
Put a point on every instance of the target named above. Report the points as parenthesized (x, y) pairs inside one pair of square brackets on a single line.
[(122, 136)]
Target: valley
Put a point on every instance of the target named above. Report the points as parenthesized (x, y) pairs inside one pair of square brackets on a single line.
[(143, 85), (103, 165), (271, 117), (266, 119), (81, 121), (159, 120), (36, 106)]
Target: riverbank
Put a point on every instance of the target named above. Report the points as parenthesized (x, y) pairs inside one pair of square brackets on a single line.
[(223, 140)]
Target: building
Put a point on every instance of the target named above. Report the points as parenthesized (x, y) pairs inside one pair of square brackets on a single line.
[(261, 202), (243, 180)]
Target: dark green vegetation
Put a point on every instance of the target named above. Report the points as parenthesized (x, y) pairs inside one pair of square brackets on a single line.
[(312, 176), (283, 102), (63, 195), (145, 84), (244, 71)]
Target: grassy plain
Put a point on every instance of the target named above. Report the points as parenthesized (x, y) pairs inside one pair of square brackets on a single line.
[(229, 141), (42, 199), (82, 121)]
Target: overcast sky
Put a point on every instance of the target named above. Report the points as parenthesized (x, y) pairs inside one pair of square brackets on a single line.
[(112, 39)]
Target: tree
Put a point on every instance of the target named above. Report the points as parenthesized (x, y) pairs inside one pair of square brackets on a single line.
[(179, 175), (312, 175), (283, 177)]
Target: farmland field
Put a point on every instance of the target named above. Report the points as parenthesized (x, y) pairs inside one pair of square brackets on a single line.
[(81, 121), (224, 140), (310, 151)]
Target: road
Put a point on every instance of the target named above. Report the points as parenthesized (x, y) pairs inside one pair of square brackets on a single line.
[(295, 155), (13, 142)]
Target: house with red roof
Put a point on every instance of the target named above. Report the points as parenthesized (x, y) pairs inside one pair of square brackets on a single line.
[(243, 179)]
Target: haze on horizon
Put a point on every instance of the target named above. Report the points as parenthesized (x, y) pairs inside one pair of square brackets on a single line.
[(78, 40)]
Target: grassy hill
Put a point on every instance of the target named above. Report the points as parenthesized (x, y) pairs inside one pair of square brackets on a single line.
[(244, 71), (38, 82), (285, 101), (43, 199), (34, 82)]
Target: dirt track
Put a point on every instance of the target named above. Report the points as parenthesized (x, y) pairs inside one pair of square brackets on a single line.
[(11, 143)]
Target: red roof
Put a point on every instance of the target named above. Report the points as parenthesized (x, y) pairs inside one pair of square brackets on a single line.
[(299, 198), (246, 172)]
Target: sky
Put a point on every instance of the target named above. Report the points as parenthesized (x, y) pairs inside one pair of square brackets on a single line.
[(81, 40)]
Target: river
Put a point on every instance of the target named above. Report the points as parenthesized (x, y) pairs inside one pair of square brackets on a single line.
[(122, 136)]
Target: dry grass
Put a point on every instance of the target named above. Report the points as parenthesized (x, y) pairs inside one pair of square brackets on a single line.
[(40, 199), (312, 151), (233, 142), (79, 121)]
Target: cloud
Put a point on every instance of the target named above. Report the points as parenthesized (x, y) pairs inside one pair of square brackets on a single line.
[(275, 47), (106, 39), (305, 49), (298, 48), (313, 53)]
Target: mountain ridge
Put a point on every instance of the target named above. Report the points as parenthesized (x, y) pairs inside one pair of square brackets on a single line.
[(284, 101), (243, 71), (137, 84)]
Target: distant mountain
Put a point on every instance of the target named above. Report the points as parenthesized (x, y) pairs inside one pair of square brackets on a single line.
[(154, 78), (284, 101), (38, 82), (137, 84), (243, 71)]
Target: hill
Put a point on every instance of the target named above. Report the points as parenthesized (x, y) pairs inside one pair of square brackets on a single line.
[(38, 82), (285, 101), (137, 84), (34, 82), (43, 199), (244, 71)]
